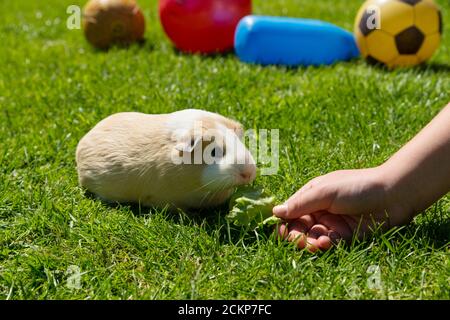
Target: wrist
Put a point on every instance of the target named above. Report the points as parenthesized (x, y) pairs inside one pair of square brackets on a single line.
[(399, 198)]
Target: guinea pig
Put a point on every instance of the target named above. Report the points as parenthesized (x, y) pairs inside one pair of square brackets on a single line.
[(186, 159)]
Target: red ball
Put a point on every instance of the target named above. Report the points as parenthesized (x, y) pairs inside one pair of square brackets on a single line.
[(202, 26)]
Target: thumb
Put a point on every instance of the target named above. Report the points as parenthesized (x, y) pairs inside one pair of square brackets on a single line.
[(305, 202)]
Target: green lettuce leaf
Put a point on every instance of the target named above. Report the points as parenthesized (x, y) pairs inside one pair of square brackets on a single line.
[(251, 207)]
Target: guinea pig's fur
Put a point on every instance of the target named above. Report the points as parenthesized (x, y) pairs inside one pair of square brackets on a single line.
[(129, 157)]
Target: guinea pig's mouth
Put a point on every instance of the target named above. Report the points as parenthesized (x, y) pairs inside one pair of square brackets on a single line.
[(245, 177), (218, 180)]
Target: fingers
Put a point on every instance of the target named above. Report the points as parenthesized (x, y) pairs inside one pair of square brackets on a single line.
[(318, 230), (295, 232), (306, 201), (299, 238), (318, 238), (305, 233), (280, 210), (302, 225), (337, 224), (323, 243)]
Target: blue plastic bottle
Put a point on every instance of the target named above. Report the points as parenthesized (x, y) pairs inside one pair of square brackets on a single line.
[(292, 42)]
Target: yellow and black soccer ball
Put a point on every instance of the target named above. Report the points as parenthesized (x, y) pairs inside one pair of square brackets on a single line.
[(398, 33)]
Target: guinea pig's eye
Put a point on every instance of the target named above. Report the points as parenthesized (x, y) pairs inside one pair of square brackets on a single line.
[(216, 151)]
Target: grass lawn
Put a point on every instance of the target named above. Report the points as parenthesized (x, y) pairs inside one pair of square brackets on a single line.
[(54, 87)]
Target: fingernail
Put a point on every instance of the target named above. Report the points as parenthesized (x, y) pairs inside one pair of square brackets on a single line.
[(280, 209), (282, 231), (334, 237)]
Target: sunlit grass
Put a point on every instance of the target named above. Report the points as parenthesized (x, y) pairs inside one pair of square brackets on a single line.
[(54, 88)]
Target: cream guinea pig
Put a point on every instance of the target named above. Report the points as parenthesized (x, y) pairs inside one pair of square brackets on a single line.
[(185, 159)]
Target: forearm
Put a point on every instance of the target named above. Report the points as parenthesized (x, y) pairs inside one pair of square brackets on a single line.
[(419, 173)]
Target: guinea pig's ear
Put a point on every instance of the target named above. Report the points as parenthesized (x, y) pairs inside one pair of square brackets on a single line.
[(188, 145), (236, 127), (239, 130)]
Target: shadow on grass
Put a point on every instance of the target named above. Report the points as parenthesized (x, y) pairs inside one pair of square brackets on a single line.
[(438, 232), (432, 67), (435, 233), (141, 44), (428, 233), (211, 220), (205, 56)]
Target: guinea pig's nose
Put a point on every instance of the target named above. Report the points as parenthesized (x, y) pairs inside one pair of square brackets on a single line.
[(246, 175)]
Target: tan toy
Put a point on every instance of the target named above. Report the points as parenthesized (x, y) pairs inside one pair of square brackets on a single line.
[(108, 22)]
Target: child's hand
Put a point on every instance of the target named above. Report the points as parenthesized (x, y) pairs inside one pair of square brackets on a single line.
[(343, 203), (339, 204)]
